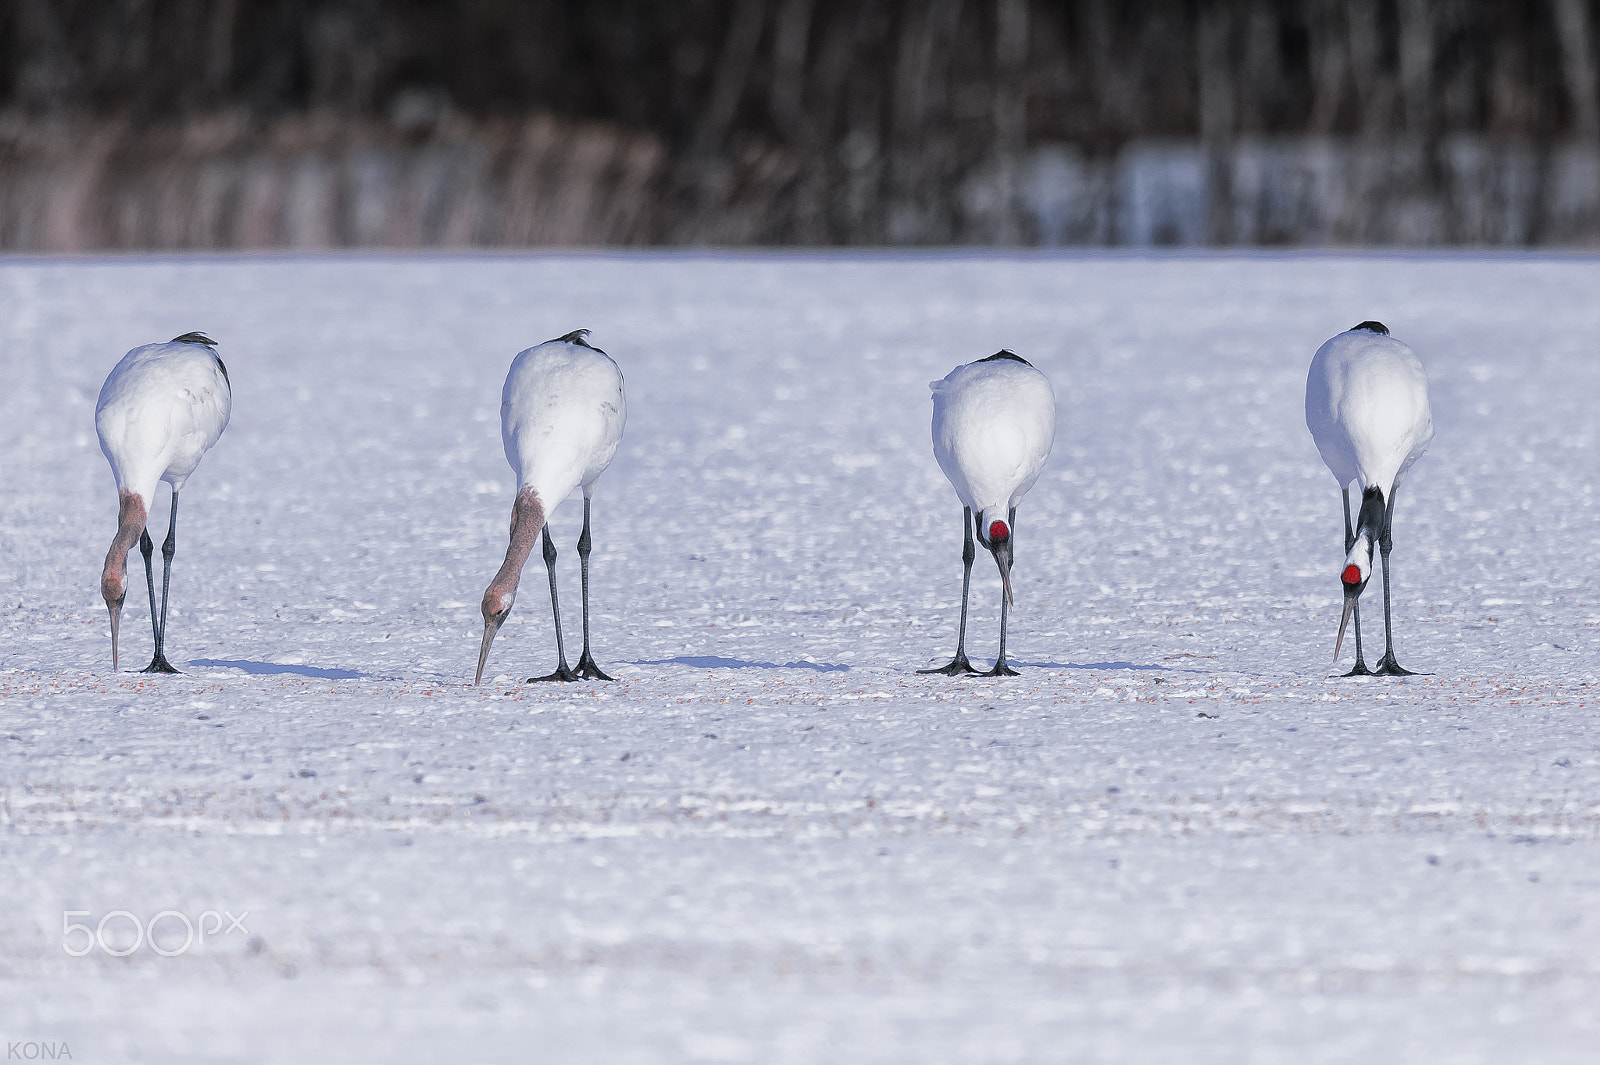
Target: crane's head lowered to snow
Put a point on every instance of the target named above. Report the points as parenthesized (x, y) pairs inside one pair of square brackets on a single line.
[(994, 532), (1357, 568)]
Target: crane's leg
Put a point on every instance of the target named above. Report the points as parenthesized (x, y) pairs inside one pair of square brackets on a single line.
[(586, 667), (169, 547), (959, 664), (146, 548), (1000, 668), (1387, 666), (1360, 669), (562, 672)]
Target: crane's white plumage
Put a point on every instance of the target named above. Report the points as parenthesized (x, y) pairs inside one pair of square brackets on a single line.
[(562, 413), (561, 418), (1367, 409), (161, 409), (994, 422)]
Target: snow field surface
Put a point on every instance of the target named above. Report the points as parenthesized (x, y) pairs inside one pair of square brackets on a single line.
[(1174, 838)]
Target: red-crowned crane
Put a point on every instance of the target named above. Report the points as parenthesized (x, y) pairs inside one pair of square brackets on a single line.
[(994, 421), (1367, 409)]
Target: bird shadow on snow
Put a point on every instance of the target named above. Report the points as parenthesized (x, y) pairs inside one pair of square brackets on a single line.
[(261, 669), (718, 662)]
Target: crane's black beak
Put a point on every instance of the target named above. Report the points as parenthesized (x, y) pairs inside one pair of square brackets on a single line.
[(114, 607), (491, 625), (1352, 593), (1001, 550)]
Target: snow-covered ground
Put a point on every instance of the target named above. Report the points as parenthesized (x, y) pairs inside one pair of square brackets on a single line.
[(1173, 839)]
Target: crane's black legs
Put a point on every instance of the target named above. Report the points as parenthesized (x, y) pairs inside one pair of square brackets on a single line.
[(146, 548), (1000, 668), (169, 547), (586, 667), (1360, 669), (562, 671), (1387, 666), (959, 664)]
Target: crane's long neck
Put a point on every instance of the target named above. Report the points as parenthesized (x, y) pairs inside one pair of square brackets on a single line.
[(1370, 528), (527, 521), (1370, 523), (131, 518)]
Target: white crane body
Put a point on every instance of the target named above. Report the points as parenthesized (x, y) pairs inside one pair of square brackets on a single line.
[(562, 413), (161, 409), (994, 422), (1367, 409)]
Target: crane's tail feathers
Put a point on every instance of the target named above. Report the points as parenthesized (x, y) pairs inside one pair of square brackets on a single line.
[(579, 337)]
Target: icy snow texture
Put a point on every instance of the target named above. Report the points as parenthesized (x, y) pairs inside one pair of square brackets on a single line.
[(1174, 839)]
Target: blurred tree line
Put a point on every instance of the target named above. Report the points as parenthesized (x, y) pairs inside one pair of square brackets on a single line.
[(797, 121)]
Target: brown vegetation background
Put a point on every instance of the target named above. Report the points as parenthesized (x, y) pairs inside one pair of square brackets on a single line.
[(296, 123)]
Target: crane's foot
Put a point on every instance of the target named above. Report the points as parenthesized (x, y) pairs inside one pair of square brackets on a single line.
[(159, 664), (561, 673), (955, 668), (1360, 670), (1001, 670), (588, 670), (1388, 667)]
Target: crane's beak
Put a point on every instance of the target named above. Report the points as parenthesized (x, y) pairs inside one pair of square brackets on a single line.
[(114, 606), (1352, 593), (1002, 559), (491, 625)]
